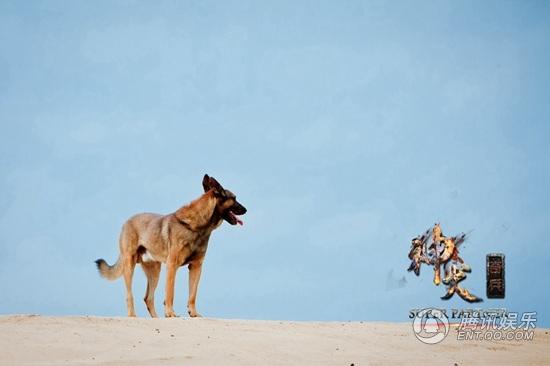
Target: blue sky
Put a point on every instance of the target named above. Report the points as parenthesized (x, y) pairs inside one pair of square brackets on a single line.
[(345, 128)]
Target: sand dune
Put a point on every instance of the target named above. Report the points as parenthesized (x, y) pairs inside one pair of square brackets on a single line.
[(44, 340)]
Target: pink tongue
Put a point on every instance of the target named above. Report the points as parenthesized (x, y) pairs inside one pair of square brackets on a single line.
[(239, 221)]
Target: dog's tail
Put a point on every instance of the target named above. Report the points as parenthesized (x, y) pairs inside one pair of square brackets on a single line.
[(109, 272)]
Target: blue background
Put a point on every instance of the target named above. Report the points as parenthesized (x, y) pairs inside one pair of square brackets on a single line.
[(346, 128)]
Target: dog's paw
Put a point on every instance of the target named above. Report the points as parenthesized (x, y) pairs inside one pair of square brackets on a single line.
[(170, 314), (194, 314)]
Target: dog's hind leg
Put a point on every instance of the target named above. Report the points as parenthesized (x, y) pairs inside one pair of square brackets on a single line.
[(129, 262), (152, 271), (128, 256)]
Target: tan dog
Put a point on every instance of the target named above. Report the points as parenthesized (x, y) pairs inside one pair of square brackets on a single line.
[(177, 239)]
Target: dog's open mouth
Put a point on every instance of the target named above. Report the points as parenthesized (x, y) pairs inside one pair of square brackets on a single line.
[(233, 219)]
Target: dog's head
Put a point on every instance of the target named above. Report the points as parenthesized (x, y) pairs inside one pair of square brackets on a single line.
[(227, 206)]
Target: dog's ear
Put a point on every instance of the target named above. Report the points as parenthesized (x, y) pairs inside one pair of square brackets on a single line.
[(209, 182), (206, 183), (213, 183)]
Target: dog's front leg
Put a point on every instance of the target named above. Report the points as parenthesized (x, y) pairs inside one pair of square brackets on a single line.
[(195, 269), (171, 268)]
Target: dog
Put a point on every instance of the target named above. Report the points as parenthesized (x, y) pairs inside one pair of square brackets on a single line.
[(177, 239)]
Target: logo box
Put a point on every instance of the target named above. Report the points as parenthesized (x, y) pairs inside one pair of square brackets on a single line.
[(496, 284)]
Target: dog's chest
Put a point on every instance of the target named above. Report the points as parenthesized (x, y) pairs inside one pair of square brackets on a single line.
[(200, 243)]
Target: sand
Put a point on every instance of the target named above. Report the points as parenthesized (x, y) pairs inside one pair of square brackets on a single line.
[(45, 340)]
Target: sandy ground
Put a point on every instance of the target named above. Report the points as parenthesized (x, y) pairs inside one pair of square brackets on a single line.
[(43, 340)]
